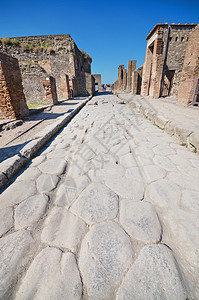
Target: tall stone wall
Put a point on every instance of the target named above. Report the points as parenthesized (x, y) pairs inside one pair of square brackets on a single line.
[(190, 71), (51, 55), (130, 70), (12, 99)]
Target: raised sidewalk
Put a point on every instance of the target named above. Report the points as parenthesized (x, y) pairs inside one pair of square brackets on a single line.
[(177, 120)]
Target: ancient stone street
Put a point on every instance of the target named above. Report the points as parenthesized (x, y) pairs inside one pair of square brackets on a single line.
[(108, 210)]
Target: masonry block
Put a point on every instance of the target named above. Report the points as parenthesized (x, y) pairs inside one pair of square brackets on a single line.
[(65, 86)]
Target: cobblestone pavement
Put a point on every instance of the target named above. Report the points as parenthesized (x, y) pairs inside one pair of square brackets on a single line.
[(109, 210)]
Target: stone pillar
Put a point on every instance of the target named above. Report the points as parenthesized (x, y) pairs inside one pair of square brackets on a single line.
[(190, 71), (131, 68), (157, 69), (120, 77), (65, 86), (49, 86), (147, 68), (124, 80), (134, 82), (12, 100)]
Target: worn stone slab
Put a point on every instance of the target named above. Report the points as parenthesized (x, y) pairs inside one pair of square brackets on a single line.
[(164, 162), (31, 173), (63, 229), (6, 220), (70, 189), (105, 256), (16, 193), (12, 165), (154, 275), (184, 181), (37, 160), (128, 161), (182, 132), (14, 249), (134, 174), (96, 203), (164, 193), (140, 221), (60, 153), (106, 171), (190, 200), (30, 211), (46, 183), (144, 152), (180, 233), (163, 150), (52, 275), (53, 166), (3, 180), (126, 188), (161, 121), (153, 173), (193, 139)]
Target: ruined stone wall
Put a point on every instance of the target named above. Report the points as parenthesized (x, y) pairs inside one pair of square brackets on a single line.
[(12, 99), (130, 70), (190, 71), (85, 84), (137, 81), (54, 54), (98, 80)]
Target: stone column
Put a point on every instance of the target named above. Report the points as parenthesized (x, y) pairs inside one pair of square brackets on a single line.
[(124, 80), (120, 77), (50, 90), (131, 68), (12, 99)]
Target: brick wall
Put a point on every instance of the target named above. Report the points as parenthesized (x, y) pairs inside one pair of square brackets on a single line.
[(98, 80), (85, 84), (12, 99), (190, 72), (50, 90)]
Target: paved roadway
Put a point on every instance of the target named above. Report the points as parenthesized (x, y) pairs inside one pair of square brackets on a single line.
[(109, 210)]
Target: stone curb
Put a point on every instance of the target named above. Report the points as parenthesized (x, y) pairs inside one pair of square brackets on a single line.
[(186, 134), (12, 165)]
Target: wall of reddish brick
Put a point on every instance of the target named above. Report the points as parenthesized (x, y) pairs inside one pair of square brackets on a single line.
[(12, 99), (190, 72)]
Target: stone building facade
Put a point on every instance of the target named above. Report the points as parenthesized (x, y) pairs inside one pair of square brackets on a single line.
[(190, 71), (124, 81), (166, 46), (98, 81), (12, 100), (49, 55)]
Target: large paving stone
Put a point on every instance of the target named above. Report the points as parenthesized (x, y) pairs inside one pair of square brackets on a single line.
[(37, 160), (134, 174), (154, 275), (30, 211), (106, 171), (140, 220), (180, 232), (153, 173), (47, 182), (63, 229), (6, 220), (144, 152), (13, 252), (164, 193), (128, 160), (190, 200), (70, 189), (164, 162), (16, 193), (96, 203), (59, 153), (52, 275), (184, 181), (55, 166), (31, 173), (126, 188), (105, 256), (164, 150)]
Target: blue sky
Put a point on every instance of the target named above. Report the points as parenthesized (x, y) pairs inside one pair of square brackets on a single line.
[(112, 32)]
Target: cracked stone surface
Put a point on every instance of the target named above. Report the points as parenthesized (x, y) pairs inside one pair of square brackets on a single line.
[(105, 255), (153, 276), (52, 275), (108, 210)]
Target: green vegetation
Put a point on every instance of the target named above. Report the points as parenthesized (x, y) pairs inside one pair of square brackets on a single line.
[(34, 105), (155, 124), (10, 42)]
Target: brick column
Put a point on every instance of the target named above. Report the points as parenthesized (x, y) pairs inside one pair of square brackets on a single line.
[(157, 69), (131, 68), (134, 82), (120, 77), (12, 100), (65, 86), (49, 86), (190, 71)]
